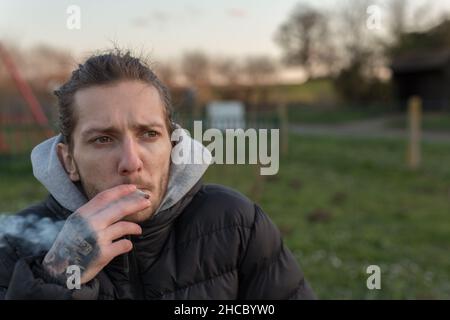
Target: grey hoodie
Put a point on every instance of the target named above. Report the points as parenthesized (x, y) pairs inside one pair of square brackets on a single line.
[(48, 169)]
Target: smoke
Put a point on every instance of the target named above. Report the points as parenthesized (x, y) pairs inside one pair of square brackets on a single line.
[(29, 234)]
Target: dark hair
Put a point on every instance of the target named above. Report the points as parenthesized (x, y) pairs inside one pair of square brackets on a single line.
[(104, 69)]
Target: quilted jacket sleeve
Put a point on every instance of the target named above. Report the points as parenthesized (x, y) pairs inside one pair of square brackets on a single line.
[(23, 278), (269, 270)]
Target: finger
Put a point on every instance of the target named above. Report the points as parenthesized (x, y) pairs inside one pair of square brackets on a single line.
[(119, 209), (105, 197), (117, 248), (120, 229)]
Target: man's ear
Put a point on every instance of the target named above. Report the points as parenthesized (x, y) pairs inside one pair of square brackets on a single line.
[(67, 161)]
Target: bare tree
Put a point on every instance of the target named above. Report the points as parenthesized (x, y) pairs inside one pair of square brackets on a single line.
[(356, 38), (166, 73), (360, 50), (195, 66), (228, 69), (397, 18), (260, 70), (304, 39)]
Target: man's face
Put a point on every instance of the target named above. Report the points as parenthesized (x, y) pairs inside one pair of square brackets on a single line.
[(120, 137)]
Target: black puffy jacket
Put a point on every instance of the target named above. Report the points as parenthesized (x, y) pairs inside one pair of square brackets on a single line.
[(213, 244)]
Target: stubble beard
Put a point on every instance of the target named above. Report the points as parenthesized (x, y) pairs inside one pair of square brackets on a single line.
[(90, 191)]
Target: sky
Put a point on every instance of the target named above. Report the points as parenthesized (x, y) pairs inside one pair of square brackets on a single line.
[(164, 29)]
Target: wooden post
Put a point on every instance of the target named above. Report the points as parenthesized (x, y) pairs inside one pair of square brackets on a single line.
[(414, 128)]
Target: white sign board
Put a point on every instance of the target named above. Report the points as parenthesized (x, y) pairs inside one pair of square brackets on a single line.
[(226, 115)]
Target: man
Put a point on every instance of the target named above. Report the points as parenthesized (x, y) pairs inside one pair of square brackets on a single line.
[(135, 223)]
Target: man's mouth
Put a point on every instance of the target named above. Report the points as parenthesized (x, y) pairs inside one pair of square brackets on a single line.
[(143, 192)]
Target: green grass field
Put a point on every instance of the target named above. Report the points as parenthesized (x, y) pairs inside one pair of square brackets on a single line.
[(341, 204), (316, 91), (344, 204)]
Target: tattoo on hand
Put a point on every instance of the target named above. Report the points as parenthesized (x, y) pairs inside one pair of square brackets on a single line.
[(76, 244)]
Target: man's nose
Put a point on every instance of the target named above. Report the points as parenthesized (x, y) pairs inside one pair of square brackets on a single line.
[(130, 160)]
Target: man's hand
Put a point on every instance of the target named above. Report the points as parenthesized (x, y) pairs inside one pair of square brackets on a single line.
[(88, 236)]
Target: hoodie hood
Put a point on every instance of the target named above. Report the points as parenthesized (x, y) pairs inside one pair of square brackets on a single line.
[(48, 169)]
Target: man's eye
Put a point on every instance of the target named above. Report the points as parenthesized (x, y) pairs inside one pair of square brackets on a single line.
[(103, 139), (151, 133)]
